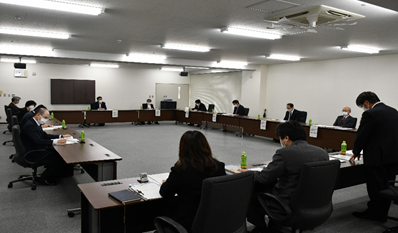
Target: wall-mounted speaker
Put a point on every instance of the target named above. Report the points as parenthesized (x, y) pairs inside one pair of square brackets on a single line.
[(184, 73), (20, 65)]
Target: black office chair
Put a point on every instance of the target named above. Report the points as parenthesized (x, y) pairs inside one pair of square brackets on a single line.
[(9, 121), (246, 111), (355, 120), (14, 122), (311, 203), (303, 116), (211, 107), (391, 194), (19, 158), (222, 209)]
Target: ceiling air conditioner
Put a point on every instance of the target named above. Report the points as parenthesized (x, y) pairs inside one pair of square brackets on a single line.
[(326, 15)]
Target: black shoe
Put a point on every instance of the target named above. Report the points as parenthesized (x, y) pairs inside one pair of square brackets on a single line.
[(156, 122), (191, 124), (149, 123), (46, 182), (370, 216)]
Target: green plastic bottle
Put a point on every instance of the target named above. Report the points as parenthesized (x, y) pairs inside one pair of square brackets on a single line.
[(259, 117), (243, 159), (343, 148), (212, 111), (52, 116), (88, 108), (141, 108), (63, 123), (82, 136), (310, 122)]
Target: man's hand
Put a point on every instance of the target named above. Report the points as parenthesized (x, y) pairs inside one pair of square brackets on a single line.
[(352, 159), (61, 141), (67, 135), (46, 126)]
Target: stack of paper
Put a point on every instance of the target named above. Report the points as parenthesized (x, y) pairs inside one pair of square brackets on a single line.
[(52, 128), (147, 191)]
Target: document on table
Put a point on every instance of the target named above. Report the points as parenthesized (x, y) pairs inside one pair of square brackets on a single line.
[(342, 158), (158, 178), (235, 169), (53, 128), (147, 191)]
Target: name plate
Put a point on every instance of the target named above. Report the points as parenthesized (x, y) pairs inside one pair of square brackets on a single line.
[(157, 112), (263, 125), (214, 118), (314, 131), (187, 114), (115, 113)]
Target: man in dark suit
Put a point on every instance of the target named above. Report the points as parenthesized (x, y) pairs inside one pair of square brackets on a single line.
[(199, 106), (281, 176), (238, 109), (291, 113), (345, 120), (99, 105), (13, 105), (29, 106), (34, 138), (377, 136), (29, 115), (148, 106)]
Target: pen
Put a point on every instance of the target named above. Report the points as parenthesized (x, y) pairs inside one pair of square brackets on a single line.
[(138, 191)]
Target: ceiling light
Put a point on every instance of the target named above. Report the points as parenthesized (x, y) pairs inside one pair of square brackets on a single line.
[(251, 33), (231, 64), (192, 48), (20, 32), (104, 65), (145, 58), (283, 57), (169, 68), (58, 6), (16, 60), (197, 68), (361, 49), (23, 49)]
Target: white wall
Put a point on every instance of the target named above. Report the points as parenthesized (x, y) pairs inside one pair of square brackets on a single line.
[(323, 88), (121, 88), (253, 94)]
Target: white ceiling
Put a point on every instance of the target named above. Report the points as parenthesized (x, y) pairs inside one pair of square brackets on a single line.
[(144, 25)]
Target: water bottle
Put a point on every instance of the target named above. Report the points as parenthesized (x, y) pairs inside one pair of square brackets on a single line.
[(243, 160), (63, 123), (310, 122), (258, 117), (88, 108), (82, 137), (343, 148), (141, 108), (52, 116), (212, 111)]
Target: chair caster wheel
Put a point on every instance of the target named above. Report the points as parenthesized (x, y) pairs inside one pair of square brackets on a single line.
[(82, 171), (33, 187), (9, 185), (71, 215)]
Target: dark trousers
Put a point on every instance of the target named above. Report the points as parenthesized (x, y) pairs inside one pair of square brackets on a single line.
[(256, 212), (376, 180), (54, 163)]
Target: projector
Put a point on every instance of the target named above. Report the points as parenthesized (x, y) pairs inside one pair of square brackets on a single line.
[(20, 65)]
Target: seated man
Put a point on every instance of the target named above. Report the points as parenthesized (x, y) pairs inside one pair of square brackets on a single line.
[(29, 106), (346, 120), (13, 105), (29, 116), (99, 105), (291, 113), (281, 175), (199, 106), (238, 109), (34, 138), (148, 106)]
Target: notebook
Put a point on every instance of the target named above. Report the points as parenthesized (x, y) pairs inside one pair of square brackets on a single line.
[(125, 196)]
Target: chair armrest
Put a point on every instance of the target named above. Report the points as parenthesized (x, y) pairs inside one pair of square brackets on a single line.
[(162, 222), (392, 187), (284, 211), (33, 151)]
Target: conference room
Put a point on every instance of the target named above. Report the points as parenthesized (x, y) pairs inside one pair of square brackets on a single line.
[(131, 37)]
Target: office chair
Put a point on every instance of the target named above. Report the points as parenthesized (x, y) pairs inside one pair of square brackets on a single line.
[(14, 122), (311, 203), (391, 193), (9, 121), (20, 155), (211, 107), (303, 116), (355, 120), (222, 209)]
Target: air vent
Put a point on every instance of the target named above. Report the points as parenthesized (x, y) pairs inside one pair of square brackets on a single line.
[(326, 15)]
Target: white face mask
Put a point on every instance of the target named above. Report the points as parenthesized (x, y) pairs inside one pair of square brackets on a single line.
[(345, 113), (31, 107), (149, 103), (100, 101), (364, 108), (290, 110), (282, 144), (42, 121)]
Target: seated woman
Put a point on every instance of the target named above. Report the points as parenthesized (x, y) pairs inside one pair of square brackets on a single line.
[(195, 164)]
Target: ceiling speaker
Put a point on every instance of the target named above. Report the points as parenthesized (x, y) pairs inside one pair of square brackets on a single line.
[(184, 73), (20, 65)]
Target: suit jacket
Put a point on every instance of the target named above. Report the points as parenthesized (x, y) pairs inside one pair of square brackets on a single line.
[(241, 110), (377, 136), (294, 117), (96, 105), (285, 167), (187, 184), (145, 106), (201, 107), (349, 122), (22, 113), (14, 109), (34, 138), (25, 118)]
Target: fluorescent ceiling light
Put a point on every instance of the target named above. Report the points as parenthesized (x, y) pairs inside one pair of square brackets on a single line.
[(104, 65), (251, 33), (16, 60), (21, 32), (58, 6), (169, 68), (23, 49), (231, 64), (196, 68), (145, 58), (361, 49), (283, 57), (192, 48)]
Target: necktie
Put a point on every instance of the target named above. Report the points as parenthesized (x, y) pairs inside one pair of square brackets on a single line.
[(342, 121), (290, 114), (236, 111)]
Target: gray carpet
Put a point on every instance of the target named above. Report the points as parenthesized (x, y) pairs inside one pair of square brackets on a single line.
[(151, 149)]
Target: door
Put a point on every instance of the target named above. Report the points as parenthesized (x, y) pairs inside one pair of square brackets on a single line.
[(176, 92)]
